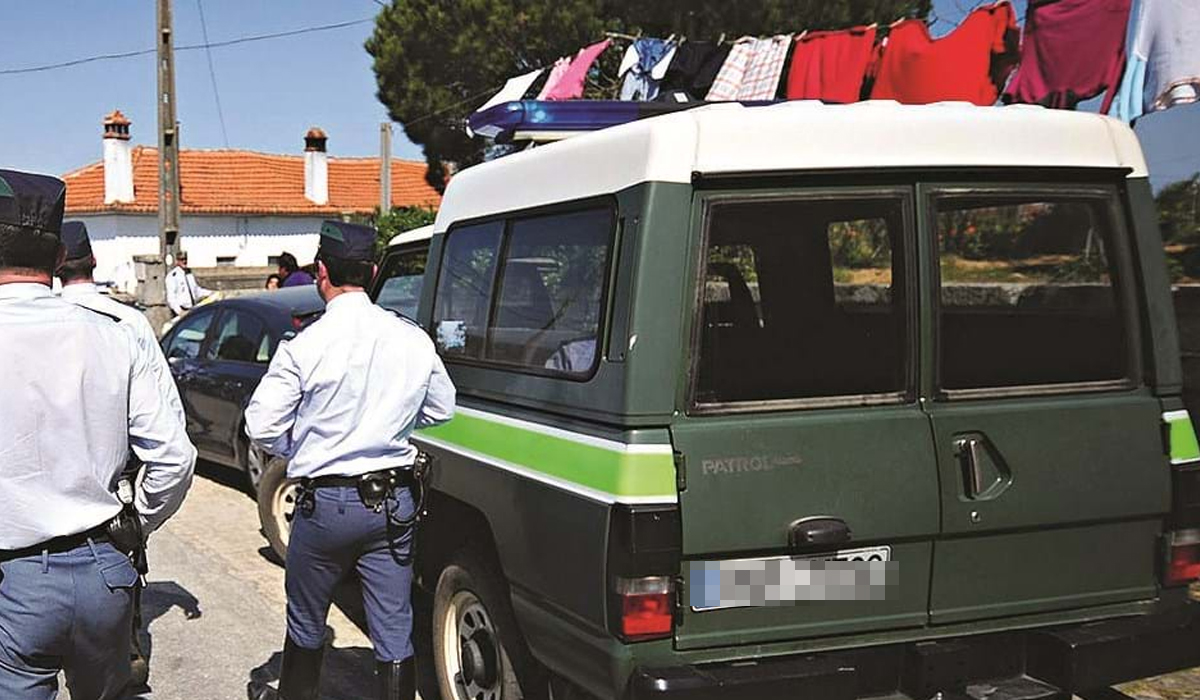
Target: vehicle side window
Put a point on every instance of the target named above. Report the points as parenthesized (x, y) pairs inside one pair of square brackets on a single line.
[(402, 276), (464, 293), (803, 299), (238, 337), (1029, 289), (548, 308), (189, 335)]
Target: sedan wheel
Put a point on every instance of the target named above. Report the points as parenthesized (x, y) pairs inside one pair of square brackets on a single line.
[(277, 505), (256, 464)]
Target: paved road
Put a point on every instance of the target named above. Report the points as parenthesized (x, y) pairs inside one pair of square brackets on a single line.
[(214, 609)]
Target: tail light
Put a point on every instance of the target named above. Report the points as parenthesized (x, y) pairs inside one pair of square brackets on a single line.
[(646, 607), (1184, 558), (643, 561), (1182, 564)]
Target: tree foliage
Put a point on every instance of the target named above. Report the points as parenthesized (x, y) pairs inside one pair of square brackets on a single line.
[(437, 60), (1177, 211), (397, 221)]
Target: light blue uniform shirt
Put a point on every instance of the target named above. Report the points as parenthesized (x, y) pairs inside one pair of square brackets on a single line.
[(76, 394), (343, 396), (88, 296)]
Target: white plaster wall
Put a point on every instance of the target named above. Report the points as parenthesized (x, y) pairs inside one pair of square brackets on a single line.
[(116, 238)]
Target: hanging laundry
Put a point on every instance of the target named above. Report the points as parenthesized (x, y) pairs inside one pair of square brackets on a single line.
[(1164, 63), (831, 66), (1072, 51), (694, 68), (570, 85), (969, 64), (557, 71), (753, 69), (643, 67), (513, 90)]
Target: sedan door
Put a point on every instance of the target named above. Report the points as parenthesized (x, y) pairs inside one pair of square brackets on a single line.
[(183, 347), (231, 367)]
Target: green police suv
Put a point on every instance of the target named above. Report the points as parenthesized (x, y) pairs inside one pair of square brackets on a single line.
[(804, 401)]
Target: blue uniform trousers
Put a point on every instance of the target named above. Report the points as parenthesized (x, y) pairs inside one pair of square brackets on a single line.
[(336, 534), (68, 611)]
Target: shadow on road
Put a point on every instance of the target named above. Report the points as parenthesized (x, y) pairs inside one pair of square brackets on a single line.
[(159, 598), (346, 674), (226, 476)]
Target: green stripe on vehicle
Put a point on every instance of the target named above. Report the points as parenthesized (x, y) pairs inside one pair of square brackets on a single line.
[(1184, 446), (616, 472)]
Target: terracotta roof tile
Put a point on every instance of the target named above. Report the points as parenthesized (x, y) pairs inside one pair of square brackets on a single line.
[(249, 183)]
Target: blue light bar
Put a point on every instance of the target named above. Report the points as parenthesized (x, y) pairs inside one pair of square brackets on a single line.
[(529, 118)]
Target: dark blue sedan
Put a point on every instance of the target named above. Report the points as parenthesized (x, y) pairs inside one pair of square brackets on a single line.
[(218, 353)]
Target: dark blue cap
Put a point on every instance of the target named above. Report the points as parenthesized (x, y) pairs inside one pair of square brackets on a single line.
[(32, 202), (75, 240), (347, 241)]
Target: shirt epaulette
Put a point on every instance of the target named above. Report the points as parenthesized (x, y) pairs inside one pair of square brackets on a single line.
[(96, 311), (402, 317)]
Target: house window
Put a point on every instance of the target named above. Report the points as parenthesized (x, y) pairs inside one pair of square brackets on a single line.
[(226, 260)]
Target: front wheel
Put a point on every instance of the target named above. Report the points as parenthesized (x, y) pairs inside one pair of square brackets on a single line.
[(478, 651), (276, 505)]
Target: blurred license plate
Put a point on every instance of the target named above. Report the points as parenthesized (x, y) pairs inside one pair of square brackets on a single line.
[(740, 583)]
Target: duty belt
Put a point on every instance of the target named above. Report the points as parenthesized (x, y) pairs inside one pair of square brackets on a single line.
[(58, 545), (402, 477)]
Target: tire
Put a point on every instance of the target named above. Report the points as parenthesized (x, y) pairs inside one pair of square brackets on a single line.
[(478, 652), (276, 505), (254, 464)]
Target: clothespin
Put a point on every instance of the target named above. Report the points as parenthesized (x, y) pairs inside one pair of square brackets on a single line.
[(721, 40), (670, 38)]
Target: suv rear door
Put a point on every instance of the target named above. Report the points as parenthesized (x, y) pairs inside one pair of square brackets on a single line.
[(801, 413), (1049, 445)]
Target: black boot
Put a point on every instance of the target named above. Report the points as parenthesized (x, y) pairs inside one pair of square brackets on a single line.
[(397, 679), (299, 678)]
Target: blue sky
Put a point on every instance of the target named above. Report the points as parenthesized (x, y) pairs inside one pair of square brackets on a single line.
[(270, 91)]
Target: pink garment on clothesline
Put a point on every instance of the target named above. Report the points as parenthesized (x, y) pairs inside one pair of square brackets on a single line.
[(570, 85), (556, 73)]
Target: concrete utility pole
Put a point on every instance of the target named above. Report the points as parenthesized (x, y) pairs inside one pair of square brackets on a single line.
[(153, 291), (385, 167)]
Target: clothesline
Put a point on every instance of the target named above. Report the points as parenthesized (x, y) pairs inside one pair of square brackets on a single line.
[(1068, 52)]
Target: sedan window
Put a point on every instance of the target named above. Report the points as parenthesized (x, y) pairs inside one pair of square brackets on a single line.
[(189, 336), (237, 338)]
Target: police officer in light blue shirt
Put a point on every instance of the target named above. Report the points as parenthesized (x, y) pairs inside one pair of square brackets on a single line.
[(77, 395), (339, 401), (79, 288)]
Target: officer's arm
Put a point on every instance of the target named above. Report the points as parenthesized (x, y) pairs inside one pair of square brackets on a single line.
[(439, 397), (157, 435), (198, 291), (272, 409)]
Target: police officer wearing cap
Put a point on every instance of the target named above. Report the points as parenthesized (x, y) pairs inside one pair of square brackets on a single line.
[(78, 394), (79, 287), (340, 401)]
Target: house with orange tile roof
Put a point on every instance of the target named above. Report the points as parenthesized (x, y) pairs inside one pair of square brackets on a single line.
[(237, 207)]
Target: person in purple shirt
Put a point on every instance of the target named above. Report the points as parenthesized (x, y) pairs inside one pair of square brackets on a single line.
[(290, 272)]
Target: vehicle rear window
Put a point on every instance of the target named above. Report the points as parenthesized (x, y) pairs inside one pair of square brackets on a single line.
[(803, 299), (1029, 289), (541, 308)]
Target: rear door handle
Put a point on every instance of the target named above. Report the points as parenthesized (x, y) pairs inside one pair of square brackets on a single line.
[(985, 475), (817, 532)]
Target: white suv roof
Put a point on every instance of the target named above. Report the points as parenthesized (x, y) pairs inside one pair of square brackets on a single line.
[(421, 233), (790, 136)]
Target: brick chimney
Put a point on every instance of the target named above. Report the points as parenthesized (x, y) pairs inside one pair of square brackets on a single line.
[(316, 167), (118, 159)]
